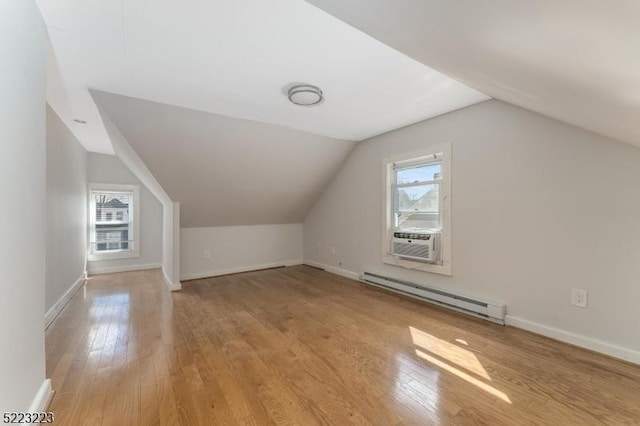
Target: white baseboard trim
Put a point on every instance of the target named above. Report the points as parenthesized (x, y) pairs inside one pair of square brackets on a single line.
[(123, 268), (334, 270), (576, 339), (42, 399), (218, 272), (55, 310), (170, 285)]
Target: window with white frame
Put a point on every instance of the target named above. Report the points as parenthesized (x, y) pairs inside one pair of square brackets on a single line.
[(113, 221), (417, 231)]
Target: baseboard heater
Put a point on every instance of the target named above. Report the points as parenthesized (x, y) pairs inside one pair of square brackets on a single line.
[(490, 311)]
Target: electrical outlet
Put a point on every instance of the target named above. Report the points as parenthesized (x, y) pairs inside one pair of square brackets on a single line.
[(207, 254), (333, 250), (579, 297), (318, 247)]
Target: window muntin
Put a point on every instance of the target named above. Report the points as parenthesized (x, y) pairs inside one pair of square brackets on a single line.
[(113, 211), (416, 195), (110, 234), (417, 201)]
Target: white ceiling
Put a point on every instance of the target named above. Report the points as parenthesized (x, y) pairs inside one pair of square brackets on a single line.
[(234, 58), (574, 60), (227, 171)]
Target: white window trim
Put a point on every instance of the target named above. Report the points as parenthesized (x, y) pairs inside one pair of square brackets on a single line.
[(445, 200), (135, 249)]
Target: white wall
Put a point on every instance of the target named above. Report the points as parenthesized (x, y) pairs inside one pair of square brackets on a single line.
[(170, 208), (66, 210), (22, 173), (102, 168), (238, 248), (224, 156), (538, 207)]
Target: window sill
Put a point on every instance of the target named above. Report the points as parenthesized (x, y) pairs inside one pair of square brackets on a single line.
[(114, 255), (444, 269)]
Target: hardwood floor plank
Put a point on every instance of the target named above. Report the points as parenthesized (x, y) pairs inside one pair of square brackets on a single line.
[(149, 405), (299, 346)]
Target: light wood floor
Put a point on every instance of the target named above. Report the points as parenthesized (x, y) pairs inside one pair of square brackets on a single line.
[(299, 346)]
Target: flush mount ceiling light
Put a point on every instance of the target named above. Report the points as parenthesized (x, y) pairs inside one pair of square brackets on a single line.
[(305, 95)]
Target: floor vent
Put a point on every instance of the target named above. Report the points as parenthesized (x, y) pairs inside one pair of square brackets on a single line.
[(490, 311)]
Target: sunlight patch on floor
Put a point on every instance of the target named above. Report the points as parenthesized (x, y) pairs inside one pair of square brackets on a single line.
[(467, 377), (461, 357)]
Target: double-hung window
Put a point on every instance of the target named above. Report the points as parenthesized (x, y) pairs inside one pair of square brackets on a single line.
[(417, 231), (113, 221)]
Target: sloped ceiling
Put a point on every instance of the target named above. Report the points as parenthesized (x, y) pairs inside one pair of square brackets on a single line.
[(227, 171), (235, 58), (574, 60), (198, 88)]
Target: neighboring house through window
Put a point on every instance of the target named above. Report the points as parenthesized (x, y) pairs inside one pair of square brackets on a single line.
[(109, 238), (417, 210)]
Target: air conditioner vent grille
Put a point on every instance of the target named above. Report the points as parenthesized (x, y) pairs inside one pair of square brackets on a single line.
[(413, 250), (411, 236)]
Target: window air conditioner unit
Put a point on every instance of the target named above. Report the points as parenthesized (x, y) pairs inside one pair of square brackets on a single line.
[(421, 247)]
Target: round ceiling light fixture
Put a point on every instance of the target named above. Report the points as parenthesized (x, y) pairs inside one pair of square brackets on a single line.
[(305, 95)]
